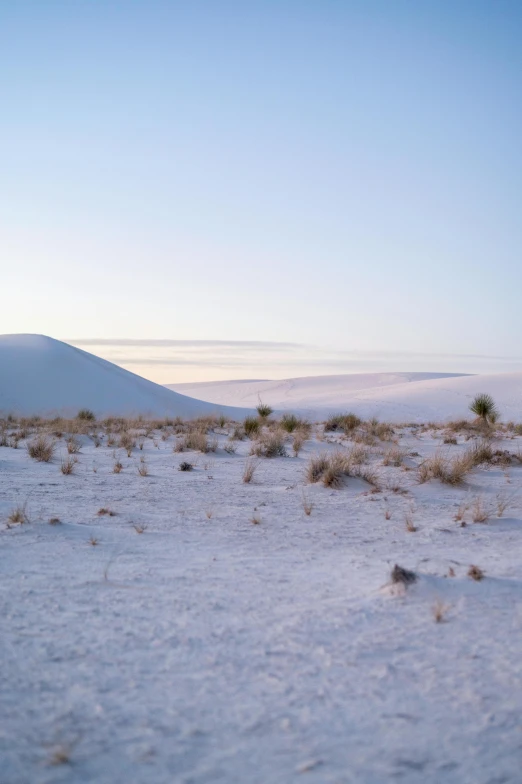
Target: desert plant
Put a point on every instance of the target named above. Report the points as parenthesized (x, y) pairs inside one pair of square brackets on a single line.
[(271, 444), (439, 611), (73, 445), (117, 467), (316, 467), (86, 415), (67, 465), (41, 449), (140, 528), (19, 515), (251, 426), (104, 510), (184, 466), (289, 422), (143, 469), (249, 469), (264, 410), (476, 573), (483, 406), (230, 447)]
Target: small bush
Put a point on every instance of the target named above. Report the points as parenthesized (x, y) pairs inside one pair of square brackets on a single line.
[(67, 466), (41, 449), (403, 576), (86, 415), (476, 573), (73, 445), (264, 410), (184, 466), (344, 422), (289, 422), (483, 406), (270, 444), (250, 469), (251, 426)]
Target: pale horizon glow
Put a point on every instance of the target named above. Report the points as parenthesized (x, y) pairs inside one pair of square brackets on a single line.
[(321, 187)]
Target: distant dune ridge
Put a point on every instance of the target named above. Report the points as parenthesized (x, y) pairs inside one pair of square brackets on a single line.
[(396, 397), (40, 375)]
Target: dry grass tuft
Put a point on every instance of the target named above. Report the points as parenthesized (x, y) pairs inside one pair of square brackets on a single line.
[(143, 469), (19, 515), (479, 513), (54, 521), (67, 465), (105, 511), (270, 444), (249, 469), (117, 467), (73, 445), (93, 541), (307, 504), (41, 449), (140, 529)]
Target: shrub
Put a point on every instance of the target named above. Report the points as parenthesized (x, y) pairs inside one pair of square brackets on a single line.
[(67, 466), (270, 445), (289, 422), (184, 466), (264, 410), (483, 406), (41, 449), (73, 446), (316, 467), (86, 415), (251, 426), (249, 470)]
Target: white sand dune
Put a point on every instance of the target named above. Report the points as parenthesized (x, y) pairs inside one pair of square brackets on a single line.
[(397, 397), (40, 375)]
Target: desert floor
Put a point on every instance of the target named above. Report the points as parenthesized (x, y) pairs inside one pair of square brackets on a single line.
[(210, 630)]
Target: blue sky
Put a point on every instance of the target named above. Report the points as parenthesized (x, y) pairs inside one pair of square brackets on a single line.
[(344, 176)]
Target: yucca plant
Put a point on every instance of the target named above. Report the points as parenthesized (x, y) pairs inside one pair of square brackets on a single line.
[(483, 406), (264, 410)]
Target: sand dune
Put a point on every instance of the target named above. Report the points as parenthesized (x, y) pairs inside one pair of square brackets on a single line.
[(40, 375), (391, 396)]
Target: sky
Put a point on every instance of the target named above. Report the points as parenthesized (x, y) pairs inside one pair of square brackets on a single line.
[(208, 190)]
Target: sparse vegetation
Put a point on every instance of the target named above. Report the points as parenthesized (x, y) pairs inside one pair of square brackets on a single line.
[(86, 415), (483, 406), (264, 410), (41, 449), (476, 573), (249, 470)]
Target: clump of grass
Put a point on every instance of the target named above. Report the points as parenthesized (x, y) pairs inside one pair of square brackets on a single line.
[(344, 422), (140, 529), (394, 456), (316, 467), (450, 440), (483, 406), (271, 444), (184, 466), (117, 467), (143, 469), (19, 515), (54, 521), (197, 441), (104, 510), (476, 573), (67, 465), (251, 426), (479, 513), (298, 440), (289, 422), (450, 471), (264, 410), (255, 519), (41, 449), (249, 469), (127, 441), (93, 541), (86, 415)]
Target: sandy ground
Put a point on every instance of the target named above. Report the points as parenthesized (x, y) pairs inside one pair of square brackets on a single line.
[(209, 648)]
